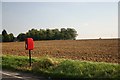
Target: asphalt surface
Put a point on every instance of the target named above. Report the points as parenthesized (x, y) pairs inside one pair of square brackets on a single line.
[(9, 75), (6, 77)]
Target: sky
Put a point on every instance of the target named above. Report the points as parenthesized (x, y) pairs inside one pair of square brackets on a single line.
[(90, 19)]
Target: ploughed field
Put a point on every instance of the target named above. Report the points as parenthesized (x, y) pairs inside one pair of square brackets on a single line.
[(100, 50)]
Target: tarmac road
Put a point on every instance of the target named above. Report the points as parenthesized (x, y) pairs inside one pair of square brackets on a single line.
[(9, 75)]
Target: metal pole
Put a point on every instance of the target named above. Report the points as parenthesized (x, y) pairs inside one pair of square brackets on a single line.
[(30, 57)]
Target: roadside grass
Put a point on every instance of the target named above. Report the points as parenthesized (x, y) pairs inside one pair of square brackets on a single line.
[(62, 68)]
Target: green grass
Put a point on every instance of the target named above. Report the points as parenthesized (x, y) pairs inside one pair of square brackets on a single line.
[(62, 68)]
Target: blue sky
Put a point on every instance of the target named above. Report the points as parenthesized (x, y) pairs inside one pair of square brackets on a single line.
[(90, 19)]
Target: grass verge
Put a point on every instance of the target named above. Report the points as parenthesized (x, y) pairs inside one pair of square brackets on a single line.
[(62, 68)]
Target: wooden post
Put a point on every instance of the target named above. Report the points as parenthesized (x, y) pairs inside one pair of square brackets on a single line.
[(30, 57)]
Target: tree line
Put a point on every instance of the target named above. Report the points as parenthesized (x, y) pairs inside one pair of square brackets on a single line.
[(42, 34), (5, 37)]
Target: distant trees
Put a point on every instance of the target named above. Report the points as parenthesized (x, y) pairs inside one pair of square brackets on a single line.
[(49, 34), (41, 34), (7, 37), (0, 38), (21, 37)]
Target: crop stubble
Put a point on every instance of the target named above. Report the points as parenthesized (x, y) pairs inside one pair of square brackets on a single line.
[(90, 50)]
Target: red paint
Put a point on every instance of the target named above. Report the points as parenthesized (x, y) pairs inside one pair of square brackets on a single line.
[(29, 44)]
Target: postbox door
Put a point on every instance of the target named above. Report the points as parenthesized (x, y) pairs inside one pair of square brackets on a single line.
[(29, 45)]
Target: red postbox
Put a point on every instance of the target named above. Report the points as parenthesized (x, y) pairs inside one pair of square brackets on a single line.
[(29, 45)]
